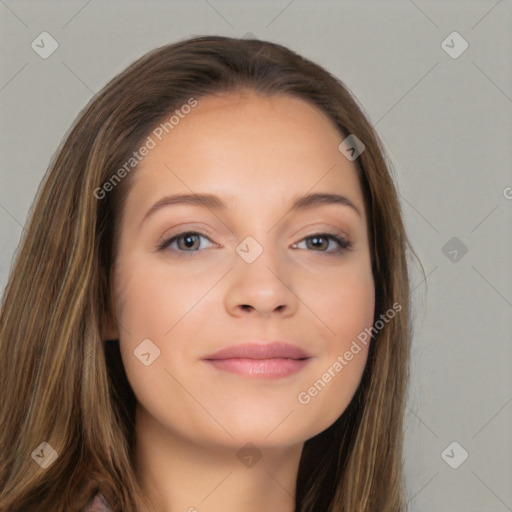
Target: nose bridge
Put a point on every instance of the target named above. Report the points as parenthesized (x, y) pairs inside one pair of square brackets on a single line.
[(260, 235), (259, 256), (252, 248), (262, 241), (261, 280)]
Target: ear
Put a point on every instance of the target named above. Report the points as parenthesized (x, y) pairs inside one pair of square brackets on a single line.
[(110, 329)]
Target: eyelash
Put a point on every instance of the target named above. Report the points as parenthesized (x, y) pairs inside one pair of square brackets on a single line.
[(343, 243)]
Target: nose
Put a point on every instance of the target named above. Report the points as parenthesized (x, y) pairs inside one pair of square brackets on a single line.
[(263, 287)]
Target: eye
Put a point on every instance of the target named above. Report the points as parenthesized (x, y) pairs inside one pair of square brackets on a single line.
[(318, 242), (190, 242)]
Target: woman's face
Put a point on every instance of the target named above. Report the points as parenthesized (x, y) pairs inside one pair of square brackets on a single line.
[(258, 273)]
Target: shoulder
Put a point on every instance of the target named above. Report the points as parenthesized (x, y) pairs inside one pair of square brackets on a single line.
[(98, 503)]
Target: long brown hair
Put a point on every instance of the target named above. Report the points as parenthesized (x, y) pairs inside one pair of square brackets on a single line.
[(63, 385)]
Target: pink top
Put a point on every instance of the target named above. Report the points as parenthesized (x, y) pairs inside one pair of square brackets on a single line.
[(98, 504)]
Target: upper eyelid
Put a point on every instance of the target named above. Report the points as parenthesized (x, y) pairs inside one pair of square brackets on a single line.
[(331, 229), (319, 231)]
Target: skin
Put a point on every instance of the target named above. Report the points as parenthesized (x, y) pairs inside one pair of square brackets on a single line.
[(258, 154)]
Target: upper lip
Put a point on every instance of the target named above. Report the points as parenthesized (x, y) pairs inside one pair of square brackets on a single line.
[(260, 350)]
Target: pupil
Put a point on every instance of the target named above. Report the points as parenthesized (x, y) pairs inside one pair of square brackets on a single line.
[(315, 241), (189, 241)]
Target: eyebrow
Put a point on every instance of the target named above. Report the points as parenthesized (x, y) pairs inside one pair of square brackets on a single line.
[(214, 202)]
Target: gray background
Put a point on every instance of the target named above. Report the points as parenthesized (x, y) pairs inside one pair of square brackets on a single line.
[(446, 124)]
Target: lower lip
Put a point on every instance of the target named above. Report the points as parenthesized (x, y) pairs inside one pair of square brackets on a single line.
[(264, 368)]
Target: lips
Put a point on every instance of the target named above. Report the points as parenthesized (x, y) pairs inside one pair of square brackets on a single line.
[(265, 360), (255, 350)]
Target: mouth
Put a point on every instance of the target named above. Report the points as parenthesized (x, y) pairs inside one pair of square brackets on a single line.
[(264, 360)]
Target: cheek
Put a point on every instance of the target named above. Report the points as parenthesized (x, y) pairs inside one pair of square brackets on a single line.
[(152, 298), (147, 306), (353, 308), (344, 303), (153, 308), (345, 306)]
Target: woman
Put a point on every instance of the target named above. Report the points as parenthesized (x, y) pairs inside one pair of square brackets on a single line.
[(262, 363)]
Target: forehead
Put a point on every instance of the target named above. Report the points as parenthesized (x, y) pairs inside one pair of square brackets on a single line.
[(249, 146), (278, 121)]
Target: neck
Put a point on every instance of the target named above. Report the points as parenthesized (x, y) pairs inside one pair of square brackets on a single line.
[(180, 475)]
